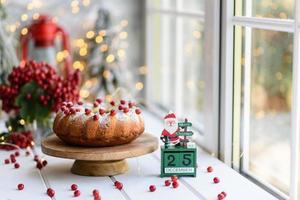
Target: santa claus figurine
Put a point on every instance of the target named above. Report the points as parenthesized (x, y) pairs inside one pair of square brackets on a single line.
[(169, 134)]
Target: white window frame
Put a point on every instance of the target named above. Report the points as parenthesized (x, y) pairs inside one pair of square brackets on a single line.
[(210, 140), (226, 109)]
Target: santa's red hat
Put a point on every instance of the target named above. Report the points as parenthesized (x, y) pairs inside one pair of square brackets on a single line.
[(170, 115)]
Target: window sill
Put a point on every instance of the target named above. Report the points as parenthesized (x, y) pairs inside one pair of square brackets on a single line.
[(143, 170), (233, 183)]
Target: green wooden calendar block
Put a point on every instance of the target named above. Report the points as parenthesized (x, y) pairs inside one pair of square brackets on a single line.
[(179, 161)]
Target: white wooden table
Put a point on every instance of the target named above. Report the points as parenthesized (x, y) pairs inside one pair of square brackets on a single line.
[(144, 171)]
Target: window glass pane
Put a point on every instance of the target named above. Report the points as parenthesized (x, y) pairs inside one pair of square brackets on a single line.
[(162, 4), (193, 70), (191, 5), (162, 61), (176, 64), (263, 84), (282, 9)]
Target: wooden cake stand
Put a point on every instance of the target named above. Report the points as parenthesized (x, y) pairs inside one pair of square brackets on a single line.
[(100, 161)]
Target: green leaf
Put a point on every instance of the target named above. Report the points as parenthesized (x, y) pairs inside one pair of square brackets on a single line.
[(32, 109)]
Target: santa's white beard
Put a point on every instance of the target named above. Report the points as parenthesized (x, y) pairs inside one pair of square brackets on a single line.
[(171, 129)]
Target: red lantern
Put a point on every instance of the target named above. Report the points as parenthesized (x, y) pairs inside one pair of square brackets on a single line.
[(40, 44)]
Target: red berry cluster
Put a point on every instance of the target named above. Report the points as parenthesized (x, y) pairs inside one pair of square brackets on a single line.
[(174, 181), (56, 89), (22, 139), (74, 188), (39, 162)]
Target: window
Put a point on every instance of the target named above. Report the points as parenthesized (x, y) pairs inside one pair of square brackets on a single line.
[(178, 79), (248, 100), (261, 72)]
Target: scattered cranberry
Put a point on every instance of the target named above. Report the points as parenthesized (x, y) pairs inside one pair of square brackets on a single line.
[(96, 117), (167, 182), (44, 163), (20, 186), (210, 169), (50, 192), (17, 153), (39, 165), (119, 185), (113, 112), (116, 182), (17, 165), (112, 103), (6, 161), (12, 156), (216, 180), (27, 153), (80, 103), (101, 111), (138, 111), (152, 188), (221, 196), (224, 193), (74, 187), (96, 192), (123, 102), (175, 184), (130, 104), (13, 159), (174, 178), (76, 193), (36, 158), (97, 198)]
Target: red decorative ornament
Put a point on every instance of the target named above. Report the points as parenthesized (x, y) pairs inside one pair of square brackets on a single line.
[(43, 33)]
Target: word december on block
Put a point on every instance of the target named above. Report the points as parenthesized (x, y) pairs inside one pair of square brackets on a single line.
[(178, 161)]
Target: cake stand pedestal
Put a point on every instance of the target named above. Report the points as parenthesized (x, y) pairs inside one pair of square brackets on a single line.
[(100, 161)]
